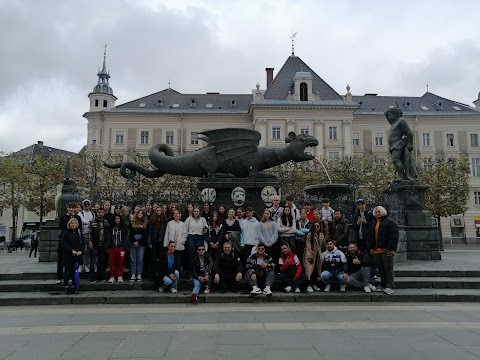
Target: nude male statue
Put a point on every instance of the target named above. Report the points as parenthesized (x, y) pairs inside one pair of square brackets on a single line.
[(400, 140)]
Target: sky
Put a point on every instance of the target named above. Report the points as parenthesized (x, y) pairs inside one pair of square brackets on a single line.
[(51, 50)]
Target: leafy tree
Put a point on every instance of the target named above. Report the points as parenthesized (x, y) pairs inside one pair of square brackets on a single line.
[(448, 180)]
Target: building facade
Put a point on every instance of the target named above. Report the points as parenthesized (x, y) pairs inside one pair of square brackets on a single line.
[(295, 99)]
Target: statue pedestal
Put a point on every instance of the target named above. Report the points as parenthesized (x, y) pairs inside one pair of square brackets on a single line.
[(419, 239), (254, 189), (49, 239)]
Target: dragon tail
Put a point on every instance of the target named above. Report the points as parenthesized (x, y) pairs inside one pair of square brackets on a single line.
[(129, 169)]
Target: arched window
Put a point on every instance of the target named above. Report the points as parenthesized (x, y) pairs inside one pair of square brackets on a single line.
[(303, 92)]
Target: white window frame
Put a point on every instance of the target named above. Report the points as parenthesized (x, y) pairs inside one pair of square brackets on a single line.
[(356, 136), (94, 137), (449, 143), (116, 135), (476, 137), (193, 137), (375, 137), (427, 140), (276, 132), (476, 197), (475, 167), (332, 132), (141, 136), (167, 136), (333, 155), (305, 129)]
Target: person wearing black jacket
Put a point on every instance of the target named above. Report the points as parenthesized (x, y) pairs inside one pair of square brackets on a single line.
[(384, 239), (96, 237), (201, 271), (169, 269), (359, 266), (116, 240), (63, 227), (339, 230), (361, 224), (156, 235), (228, 269), (72, 246)]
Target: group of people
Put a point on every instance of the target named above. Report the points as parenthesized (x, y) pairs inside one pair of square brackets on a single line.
[(302, 248)]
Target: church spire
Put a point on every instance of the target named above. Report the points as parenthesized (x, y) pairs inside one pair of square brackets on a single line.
[(103, 77)]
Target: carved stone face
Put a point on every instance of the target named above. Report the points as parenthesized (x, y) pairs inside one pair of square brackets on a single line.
[(209, 195), (238, 196), (299, 144), (267, 193)]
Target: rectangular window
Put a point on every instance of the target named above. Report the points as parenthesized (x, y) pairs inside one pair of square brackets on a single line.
[(333, 155), (304, 129), (476, 196), (378, 138), (275, 132), (194, 138), (450, 140), (169, 137), (94, 137), (426, 139), (474, 140), (96, 103), (144, 137), (356, 138), (119, 136), (476, 167), (105, 103), (332, 133)]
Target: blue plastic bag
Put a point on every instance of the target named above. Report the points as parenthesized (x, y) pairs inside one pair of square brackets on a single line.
[(77, 277)]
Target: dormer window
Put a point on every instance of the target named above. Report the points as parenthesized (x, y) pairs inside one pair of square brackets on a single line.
[(303, 92), (193, 102), (159, 102)]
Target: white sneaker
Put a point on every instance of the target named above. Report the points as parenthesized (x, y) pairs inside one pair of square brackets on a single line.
[(288, 289), (328, 287), (161, 289), (297, 290), (267, 291), (58, 281), (310, 289), (367, 289), (87, 269), (316, 288), (120, 279), (388, 291), (139, 277), (255, 290), (108, 269), (342, 288), (80, 268), (373, 288), (132, 278), (111, 280), (173, 290), (379, 289)]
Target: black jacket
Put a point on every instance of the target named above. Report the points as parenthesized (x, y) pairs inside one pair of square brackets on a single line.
[(365, 227), (163, 268), (196, 269), (228, 264), (138, 234), (94, 232), (118, 237), (339, 231), (364, 261), (156, 233), (72, 240), (387, 235)]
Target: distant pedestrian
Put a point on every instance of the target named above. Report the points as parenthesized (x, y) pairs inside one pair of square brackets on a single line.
[(34, 243)]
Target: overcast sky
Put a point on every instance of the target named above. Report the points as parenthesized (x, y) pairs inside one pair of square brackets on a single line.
[(51, 51)]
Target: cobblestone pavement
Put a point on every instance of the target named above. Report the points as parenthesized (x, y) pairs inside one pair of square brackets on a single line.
[(232, 331)]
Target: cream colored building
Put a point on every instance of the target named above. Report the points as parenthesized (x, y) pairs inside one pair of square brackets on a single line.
[(295, 99)]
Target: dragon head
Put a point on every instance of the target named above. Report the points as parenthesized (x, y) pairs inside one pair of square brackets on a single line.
[(297, 144)]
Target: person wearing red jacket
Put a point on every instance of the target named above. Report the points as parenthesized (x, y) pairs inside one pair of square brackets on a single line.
[(290, 270)]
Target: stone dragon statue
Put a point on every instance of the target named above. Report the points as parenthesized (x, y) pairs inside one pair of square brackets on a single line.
[(229, 151)]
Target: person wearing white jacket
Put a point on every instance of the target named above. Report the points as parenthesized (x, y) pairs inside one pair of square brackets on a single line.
[(248, 234), (287, 227), (176, 232)]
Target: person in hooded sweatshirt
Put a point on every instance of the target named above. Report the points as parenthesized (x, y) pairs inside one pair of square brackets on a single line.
[(335, 266), (248, 234), (116, 248)]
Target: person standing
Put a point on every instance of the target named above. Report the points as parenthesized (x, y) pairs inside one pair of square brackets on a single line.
[(156, 235), (267, 231), (339, 231), (213, 235), (276, 209), (86, 215), (72, 246), (231, 226), (176, 232), (290, 202), (138, 242), (96, 236), (312, 256), (34, 245), (286, 228), (249, 234), (116, 248), (196, 226), (62, 225), (384, 239), (303, 227), (361, 224)]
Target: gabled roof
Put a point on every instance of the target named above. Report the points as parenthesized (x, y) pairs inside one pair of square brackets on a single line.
[(171, 100), (283, 81), (40, 149), (427, 104)]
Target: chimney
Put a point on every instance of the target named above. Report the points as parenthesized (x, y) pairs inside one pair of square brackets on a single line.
[(40, 144), (269, 76)]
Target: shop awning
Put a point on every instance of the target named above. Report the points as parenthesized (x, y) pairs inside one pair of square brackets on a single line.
[(477, 221)]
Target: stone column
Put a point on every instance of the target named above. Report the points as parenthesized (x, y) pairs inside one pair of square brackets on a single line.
[(261, 126), (318, 133), (347, 138)]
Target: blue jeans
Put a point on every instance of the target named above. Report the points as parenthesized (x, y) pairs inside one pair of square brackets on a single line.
[(360, 279), (326, 276), (191, 247), (197, 285), (136, 260), (167, 281)]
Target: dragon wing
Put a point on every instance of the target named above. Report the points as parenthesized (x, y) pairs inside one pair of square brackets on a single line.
[(232, 143)]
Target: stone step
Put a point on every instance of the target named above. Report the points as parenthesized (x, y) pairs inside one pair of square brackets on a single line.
[(185, 284), (151, 297), (398, 274)]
